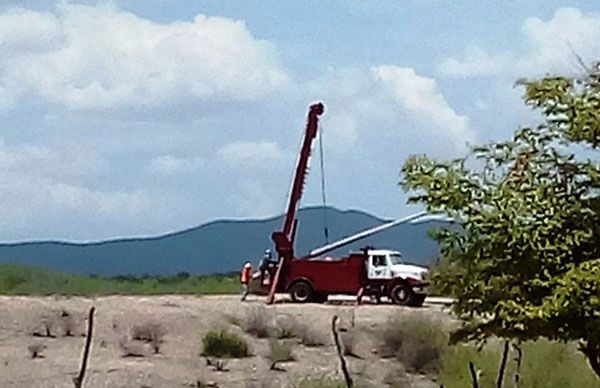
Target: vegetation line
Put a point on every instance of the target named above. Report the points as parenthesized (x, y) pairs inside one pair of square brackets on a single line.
[(24, 280)]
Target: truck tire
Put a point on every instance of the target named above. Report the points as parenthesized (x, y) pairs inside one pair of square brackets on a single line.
[(301, 292), (401, 294)]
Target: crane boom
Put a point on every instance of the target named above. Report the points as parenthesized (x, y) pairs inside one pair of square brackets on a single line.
[(363, 234), (284, 239)]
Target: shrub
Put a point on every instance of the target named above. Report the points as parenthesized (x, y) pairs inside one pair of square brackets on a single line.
[(47, 325), (310, 336), (330, 381), (150, 332), (415, 341), (286, 328), (35, 350), (397, 379), (132, 349), (258, 322), (280, 351), (349, 339), (68, 324), (322, 382), (545, 364), (224, 344)]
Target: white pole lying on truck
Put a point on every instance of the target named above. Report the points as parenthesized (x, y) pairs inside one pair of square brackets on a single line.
[(365, 233)]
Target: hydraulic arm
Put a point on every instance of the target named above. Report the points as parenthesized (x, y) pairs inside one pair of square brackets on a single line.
[(284, 238)]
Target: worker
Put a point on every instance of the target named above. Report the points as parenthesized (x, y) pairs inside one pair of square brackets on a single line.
[(264, 264), (245, 279)]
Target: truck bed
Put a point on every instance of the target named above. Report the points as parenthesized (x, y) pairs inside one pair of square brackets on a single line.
[(342, 276)]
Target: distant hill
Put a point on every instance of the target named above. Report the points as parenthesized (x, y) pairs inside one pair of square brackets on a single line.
[(219, 246)]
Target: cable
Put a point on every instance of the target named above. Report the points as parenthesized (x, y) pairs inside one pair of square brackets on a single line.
[(323, 194)]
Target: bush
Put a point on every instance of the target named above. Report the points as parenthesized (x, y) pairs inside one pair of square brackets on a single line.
[(68, 324), (132, 349), (286, 328), (545, 364), (397, 379), (330, 381), (258, 322), (149, 332), (349, 339), (417, 342), (280, 351), (35, 350), (44, 327), (322, 382), (224, 344), (310, 336)]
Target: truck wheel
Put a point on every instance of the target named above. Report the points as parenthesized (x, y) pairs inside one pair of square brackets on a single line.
[(301, 292), (401, 294)]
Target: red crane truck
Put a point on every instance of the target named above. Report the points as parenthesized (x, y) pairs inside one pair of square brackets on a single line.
[(312, 278)]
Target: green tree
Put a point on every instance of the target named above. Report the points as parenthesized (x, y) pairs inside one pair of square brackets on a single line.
[(526, 262)]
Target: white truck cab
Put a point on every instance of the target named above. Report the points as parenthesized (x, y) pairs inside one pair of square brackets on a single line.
[(387, 264)]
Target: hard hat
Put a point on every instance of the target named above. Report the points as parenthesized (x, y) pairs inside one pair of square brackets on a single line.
[(247, 265), (267, 251)]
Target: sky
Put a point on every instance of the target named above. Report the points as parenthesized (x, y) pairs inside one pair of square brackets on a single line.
[(132, 118)]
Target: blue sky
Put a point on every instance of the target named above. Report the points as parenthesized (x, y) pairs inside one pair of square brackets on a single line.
[(128, 117)]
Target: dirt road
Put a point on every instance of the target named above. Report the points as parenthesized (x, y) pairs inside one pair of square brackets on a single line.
[(179, 364)]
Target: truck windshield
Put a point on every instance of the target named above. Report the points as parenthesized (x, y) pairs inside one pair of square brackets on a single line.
[(396, 259)]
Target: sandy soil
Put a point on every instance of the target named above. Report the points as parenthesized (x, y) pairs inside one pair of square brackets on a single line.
[(179, 364)]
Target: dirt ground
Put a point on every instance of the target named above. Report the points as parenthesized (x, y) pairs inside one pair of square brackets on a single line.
[(186, 320)]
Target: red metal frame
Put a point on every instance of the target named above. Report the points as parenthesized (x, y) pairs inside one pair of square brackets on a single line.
[(284, 239)]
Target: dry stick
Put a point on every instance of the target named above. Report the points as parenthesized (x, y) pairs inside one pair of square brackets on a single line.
[(86, 352), (518, 359), (473, 375), (502, 365), (336, 338)]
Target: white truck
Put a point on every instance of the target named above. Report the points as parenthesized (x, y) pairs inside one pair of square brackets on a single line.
[(389, 275)]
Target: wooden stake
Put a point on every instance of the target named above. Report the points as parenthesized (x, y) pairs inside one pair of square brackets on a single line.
[(336, 338), (86, 351), (502, 365), (473, 375)]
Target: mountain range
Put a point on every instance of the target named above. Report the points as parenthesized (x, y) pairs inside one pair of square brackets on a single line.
[(220, 246)]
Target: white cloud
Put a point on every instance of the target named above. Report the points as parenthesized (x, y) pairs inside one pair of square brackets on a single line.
[(67, 162), (552, 43), (22, 30), (28, 201), (168, 164), (42, 186), (395, 102), (549, 47), (476, 62), (341, 128), (256, 153), (420, 98), (96, 58)]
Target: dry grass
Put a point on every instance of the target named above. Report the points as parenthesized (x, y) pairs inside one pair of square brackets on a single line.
[(44, 327), (68, 323), (286, 327), (150, 332), (349, 339), (132, 348), (280, 351), (417, 342), (222, 343), (35, 350), (258, 322), (310, 336)]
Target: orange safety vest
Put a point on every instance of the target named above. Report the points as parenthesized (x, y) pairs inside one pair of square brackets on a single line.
[(246, 274)]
